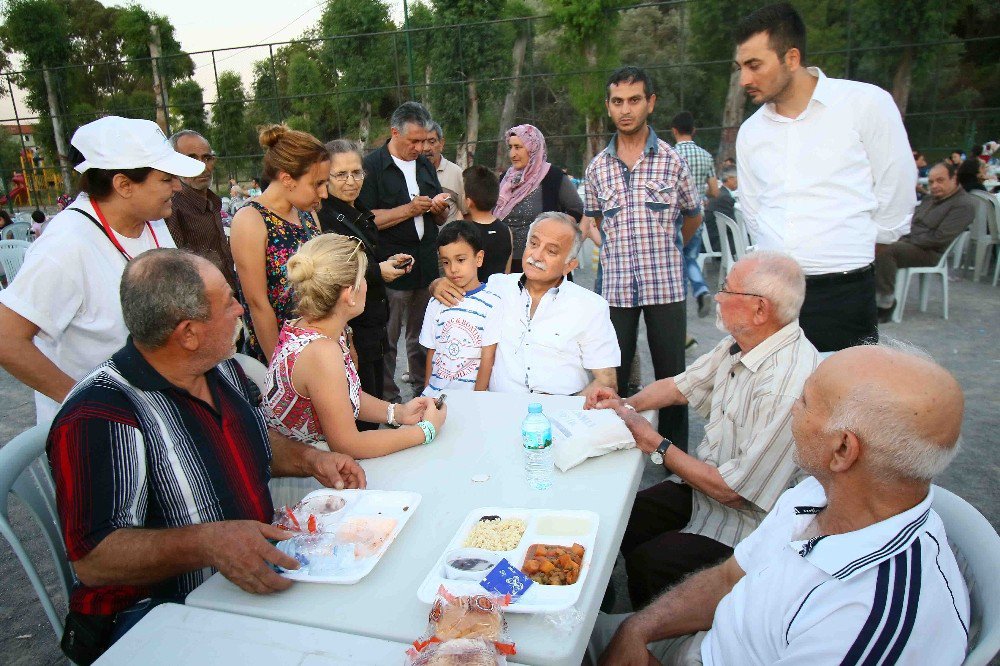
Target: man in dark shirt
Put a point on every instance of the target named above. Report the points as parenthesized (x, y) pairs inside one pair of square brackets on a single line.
[(196, 221), (724, 203), (937, 221), (161, 463), (401, 189)]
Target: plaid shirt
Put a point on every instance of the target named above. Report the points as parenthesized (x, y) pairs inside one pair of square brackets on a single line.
[(130, 450), (700, 163), (641, 262)]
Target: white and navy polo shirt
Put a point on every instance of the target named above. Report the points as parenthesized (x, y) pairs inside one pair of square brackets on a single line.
[(890, 593)]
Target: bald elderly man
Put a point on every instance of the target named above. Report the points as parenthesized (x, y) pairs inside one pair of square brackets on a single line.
[(852, 565)]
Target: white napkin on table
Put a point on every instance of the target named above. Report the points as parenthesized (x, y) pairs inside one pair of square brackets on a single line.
[(579, 434)]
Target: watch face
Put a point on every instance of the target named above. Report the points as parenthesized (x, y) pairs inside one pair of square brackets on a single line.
[(656, 457)]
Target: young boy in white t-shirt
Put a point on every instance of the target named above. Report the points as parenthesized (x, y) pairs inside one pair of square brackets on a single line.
[(461, 340)]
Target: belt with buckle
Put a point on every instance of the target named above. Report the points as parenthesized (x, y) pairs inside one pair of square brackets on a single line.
[(842, 277)]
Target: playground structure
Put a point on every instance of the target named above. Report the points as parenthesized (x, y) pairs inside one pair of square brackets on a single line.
[(40, 188)]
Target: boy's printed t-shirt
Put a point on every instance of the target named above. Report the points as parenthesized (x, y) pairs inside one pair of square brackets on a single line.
[(457, 334)]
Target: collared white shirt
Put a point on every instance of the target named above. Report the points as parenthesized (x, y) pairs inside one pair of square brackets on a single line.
[(550, 352), (747, 400), (890, 593), (829, 184)]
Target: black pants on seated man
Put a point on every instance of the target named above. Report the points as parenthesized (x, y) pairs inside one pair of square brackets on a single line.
[(657, 554)]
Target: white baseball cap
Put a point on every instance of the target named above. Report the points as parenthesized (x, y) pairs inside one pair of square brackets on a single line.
[(113, 142)]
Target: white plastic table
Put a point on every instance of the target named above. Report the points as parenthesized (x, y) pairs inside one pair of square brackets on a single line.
[(481, 436), (172, 634)]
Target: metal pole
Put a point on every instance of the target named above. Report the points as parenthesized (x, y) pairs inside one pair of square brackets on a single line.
[(24, 151), (409, 46)]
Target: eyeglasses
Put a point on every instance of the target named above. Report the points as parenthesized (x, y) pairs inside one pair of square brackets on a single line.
[(207, 158), (342, 176), (360, 245), (725, 290)]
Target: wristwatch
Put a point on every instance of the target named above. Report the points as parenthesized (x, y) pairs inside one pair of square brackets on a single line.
[(657, 455)]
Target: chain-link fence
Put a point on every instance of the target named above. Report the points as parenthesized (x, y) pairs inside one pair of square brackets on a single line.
[(480, 78)]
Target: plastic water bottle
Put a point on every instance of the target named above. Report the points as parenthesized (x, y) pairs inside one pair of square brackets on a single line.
[(536, 437)]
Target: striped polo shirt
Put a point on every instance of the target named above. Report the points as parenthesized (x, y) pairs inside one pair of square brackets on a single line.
[(890, 593), (747, 400), (128, 449)]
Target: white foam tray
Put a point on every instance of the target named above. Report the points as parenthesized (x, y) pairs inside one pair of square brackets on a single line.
[(539, 598), (359, 504)]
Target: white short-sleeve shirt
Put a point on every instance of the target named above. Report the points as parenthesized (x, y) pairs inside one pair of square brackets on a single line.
[(68, 287), (457, 334), (550, 352), (409, 169), (889, 593)]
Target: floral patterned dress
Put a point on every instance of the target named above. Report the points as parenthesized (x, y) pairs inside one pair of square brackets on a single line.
[(283, 240)]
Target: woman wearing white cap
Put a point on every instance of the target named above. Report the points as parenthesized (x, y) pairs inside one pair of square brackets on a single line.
[(61, 315)]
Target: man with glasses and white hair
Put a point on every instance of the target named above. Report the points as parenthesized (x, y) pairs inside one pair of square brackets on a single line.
[(402, 190), (196, 220), (556, 337), (745, 388), (852, 565)]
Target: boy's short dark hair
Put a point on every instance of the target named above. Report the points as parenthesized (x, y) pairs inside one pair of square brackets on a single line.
[(482, 186), (461, 230), (37, 216), (629, 74), (683, 122), (784, 27)]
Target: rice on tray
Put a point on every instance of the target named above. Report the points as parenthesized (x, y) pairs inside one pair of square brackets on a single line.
[(496, 534)]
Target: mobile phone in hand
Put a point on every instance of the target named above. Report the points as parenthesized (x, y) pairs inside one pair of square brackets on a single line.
[(440, 401), (404, 263)]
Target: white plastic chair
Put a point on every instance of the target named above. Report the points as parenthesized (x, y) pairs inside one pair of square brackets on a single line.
[(707, 252), (24, 471), (977, 548), (903, 276), (254, 369), (12, 257), (729, 254), (17, 231), (985, 232)]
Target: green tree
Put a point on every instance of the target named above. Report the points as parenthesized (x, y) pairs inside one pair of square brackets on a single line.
[(231, 136), (311, 103), (188, 103)]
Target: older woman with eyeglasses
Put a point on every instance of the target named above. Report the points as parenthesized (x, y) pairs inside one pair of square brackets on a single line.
[(341, 213)]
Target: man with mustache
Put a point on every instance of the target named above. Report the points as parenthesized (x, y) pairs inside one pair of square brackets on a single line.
[(556, 337), (196, 221), (825, 173), (745, 388)]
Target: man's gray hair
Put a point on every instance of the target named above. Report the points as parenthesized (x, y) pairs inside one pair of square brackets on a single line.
[(894, 447), (161, 288), (568, 221), (410, 113), (777, 277), (177, 136), (435, 126), (727, 173)]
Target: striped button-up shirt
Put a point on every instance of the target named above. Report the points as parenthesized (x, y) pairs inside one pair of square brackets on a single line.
[(700, 163), (130, 450), (196, 225), (747, 399), (641, 207)]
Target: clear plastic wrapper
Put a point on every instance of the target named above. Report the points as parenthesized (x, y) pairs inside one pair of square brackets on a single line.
[(307, 514), (319, 554), (478, 617), (464, 651)]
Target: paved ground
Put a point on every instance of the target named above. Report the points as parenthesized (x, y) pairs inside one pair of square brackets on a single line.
[(967, 344)]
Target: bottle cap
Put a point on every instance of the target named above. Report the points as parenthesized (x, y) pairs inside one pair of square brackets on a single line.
[(535, 408)]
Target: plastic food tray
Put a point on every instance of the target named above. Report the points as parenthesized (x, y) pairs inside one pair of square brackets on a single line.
[(539, 598), (361, 504)]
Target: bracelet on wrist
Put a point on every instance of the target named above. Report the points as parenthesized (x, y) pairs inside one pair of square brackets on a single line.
[(390, 416), (429, 431)]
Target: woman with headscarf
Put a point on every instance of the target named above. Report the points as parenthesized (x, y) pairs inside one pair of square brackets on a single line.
[(531, 186)]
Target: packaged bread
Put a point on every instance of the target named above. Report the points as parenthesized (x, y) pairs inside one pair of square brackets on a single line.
[(460, 651), (478, 617)]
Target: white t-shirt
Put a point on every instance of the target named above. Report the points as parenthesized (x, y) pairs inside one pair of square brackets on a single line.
[(409, 170), (888, 593), (68, 287), (457, 334)]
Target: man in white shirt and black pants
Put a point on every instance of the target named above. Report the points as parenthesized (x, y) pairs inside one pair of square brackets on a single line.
[(825, 173)]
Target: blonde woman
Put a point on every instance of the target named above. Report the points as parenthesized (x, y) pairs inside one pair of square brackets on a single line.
[(312, 390), (267, 230)]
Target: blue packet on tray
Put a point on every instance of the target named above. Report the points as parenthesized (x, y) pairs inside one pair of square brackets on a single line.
[(506, 579)]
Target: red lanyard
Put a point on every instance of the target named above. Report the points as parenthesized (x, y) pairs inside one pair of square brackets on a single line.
[(111, 236)]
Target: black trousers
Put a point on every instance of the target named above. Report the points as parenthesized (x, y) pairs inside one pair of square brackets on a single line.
[(657, 554), (839, 312), (666, 329), (371, 372)]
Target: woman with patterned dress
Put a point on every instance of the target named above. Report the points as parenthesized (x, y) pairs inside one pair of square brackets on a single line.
[(531, 186), (312, 392), (270, 229)]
